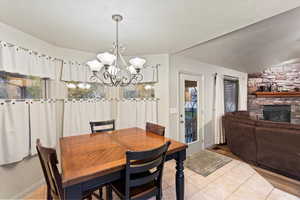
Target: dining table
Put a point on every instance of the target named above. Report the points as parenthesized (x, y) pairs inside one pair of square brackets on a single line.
[(90, 161)]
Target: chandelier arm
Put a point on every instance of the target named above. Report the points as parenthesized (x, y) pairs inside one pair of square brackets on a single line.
[(123, 60)]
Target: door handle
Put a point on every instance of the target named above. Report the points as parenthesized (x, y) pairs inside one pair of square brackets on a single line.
[(182, 121)]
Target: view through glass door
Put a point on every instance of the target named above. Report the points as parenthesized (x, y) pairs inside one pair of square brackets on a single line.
[(190, 112)]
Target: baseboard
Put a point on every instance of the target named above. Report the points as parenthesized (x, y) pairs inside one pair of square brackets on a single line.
[(28, 190)]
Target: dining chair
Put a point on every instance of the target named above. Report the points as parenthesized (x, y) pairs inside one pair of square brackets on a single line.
[(102, 126), (143, 174), (48, 160), (155, 128)]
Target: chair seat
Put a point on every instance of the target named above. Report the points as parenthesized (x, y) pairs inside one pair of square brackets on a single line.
[(135, 192)]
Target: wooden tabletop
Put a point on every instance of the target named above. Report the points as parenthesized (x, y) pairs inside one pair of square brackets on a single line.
[(87, 156)]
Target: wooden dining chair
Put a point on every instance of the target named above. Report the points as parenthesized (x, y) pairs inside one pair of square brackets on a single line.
[(48, 160), (155, 128), (102, 126), (143, 174)]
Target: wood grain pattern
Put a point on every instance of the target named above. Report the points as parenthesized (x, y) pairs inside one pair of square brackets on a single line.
[(88, 156)]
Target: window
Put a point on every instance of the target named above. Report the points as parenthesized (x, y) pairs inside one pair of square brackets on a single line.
[(231, 88), (139, 91), (95, 90), (14, 86)]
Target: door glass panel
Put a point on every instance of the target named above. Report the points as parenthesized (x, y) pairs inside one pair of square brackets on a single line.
[(190, 108), (231, 95)]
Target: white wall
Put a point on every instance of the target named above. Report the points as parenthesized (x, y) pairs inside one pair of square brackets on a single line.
[(179, 64), (20, 178)]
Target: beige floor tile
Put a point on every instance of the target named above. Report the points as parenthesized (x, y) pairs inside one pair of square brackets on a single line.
[(199, 181), (188, 173), (169, 194), (281, 195), (170, 164), (258, 184), (240, 173), (244, 193), (200, 196), (190, 189), (221, 188)]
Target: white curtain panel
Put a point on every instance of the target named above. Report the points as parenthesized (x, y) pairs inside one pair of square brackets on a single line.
[(135, 113), (71, 125), (14, 59), (79, 113), (243, 93), (219, 109), (126, 113), (151, 110), (141, 114), (43, 123), (14, 134), (73, 71)]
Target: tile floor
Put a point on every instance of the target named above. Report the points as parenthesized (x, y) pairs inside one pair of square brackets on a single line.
[(234, 181)]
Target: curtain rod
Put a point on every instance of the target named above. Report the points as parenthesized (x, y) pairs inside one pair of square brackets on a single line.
[(26, 49), (112, 99)]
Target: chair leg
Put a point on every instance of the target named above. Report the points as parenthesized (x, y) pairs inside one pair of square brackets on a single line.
[(49, 196), (109, 192), (158, 197), (100, 193)]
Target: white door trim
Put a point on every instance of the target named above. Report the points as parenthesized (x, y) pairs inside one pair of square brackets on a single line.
[(200, 79)]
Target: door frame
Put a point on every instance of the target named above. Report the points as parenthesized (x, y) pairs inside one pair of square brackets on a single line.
[(200, 128)]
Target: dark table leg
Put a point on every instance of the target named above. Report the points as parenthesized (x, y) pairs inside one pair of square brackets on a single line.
[(180, 175), (73, 192)]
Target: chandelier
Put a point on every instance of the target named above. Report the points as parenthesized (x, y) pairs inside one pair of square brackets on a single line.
[(111, 69)]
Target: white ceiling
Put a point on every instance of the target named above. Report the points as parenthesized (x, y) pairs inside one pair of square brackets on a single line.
[(256, 47), (164, 26)]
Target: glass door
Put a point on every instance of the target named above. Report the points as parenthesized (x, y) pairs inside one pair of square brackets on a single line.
[(190, 112)]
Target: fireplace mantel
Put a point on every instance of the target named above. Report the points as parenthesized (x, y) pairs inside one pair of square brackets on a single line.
[(277, 94)]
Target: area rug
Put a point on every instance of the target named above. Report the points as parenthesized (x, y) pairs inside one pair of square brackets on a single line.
[(206, 162)]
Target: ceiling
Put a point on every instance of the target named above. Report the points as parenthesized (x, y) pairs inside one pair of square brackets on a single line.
[(252, 49), (149, 27)]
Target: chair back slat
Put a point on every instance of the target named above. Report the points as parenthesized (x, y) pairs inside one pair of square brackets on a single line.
[(103, 125), (146, 166), (139, 167), (48, 160), (145, 155), (144, 179), (155, 128)]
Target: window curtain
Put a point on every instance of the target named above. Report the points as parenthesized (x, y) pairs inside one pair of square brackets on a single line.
[(136, 112), (55, 88), (243, 92), (14, 59), (219, 109), (14, 134), (79, 113), (126, 113), (141, 114), (73, 71), (43, 123)]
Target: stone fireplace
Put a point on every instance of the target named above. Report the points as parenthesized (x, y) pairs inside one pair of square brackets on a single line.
[(257, 105), (277, 113), (276, 108)]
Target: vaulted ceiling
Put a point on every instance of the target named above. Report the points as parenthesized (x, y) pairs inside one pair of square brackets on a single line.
[(149, 27), (270, 42)]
